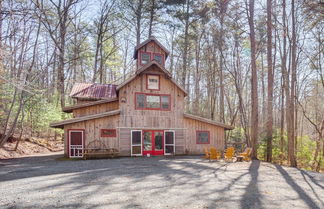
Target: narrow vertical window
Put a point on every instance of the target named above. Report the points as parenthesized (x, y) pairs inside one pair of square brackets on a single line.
[(145, 58), (165, 102), (140, 101)]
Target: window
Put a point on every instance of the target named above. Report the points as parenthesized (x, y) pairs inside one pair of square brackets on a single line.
[(152, 101), (136, 143), (165, 102), (140, 101), (153, 82), (145, 58), (158, 57), (203, 137), (108, 132)]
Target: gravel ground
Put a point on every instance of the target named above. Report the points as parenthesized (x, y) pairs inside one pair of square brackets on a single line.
[(156, 182)]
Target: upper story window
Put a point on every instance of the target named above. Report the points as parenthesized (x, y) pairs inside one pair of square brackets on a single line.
[(203, 137), (145, 58), (153, 82), (152, 102), (159, 58)]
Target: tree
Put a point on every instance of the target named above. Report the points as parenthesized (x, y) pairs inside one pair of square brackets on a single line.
[(270, 82), (57, 32), (254, 82)]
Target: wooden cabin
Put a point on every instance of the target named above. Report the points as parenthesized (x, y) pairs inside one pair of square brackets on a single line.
[(143, 115)]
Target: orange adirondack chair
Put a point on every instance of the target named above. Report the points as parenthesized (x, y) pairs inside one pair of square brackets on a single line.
[(246, 154), (214, 154), (207, 153), (229, 153)]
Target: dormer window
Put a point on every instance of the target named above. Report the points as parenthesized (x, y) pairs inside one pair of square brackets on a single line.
[(145, 58), (159, 58)]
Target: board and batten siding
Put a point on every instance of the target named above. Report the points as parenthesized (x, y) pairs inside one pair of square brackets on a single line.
[(95, 109), (216, 136), (130, 117), (92, 129)]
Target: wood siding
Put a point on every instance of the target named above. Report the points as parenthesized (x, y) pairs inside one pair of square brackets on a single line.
[(216, 136), (151, 47), (95, 109), (92, 131), (130, 117)]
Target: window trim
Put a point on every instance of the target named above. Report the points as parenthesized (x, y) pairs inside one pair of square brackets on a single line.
[(151, 94), (147, 76), (140, 58), (199, 131), (163, 59), (106, 135)]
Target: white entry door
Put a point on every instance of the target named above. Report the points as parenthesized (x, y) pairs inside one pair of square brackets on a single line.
[(169, 142)]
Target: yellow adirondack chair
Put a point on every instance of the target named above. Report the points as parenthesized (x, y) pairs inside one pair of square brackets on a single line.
[(229, 153), (207, 153), (214, 154), (246, 154)]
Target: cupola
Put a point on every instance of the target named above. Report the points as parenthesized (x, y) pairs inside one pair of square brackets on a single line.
[(150, 50)]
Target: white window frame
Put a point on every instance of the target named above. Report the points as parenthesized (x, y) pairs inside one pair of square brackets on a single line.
[(165, 144), (82, 146), (136, 144)]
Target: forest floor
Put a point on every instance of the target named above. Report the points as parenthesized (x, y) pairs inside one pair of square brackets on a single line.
[(175, 182), (29, 146)]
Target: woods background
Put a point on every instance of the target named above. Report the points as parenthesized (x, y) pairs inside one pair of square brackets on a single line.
[(256, 65)]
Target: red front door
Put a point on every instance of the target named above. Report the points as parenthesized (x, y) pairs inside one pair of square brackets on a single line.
[(153, 142)]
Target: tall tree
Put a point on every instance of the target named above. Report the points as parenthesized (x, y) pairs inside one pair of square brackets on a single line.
[(269, 128), (291, 109), (254, 82), (58, 33)]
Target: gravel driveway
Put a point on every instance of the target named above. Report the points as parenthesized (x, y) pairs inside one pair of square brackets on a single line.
[(156, 182)]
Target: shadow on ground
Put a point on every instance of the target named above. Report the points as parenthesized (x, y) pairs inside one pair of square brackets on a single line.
[(156, 182)]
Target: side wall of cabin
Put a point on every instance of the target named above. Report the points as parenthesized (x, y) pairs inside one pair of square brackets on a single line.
[(92, 131), (216, 137)]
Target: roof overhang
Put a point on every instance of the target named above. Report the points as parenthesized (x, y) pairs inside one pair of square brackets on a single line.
[(84, 118), (205, 120), (69, 109)]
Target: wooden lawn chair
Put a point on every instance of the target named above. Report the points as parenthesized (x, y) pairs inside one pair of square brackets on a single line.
[(214, 154), (229, 154), (246, 154), (207, 153)]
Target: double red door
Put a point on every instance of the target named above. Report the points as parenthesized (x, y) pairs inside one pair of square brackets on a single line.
[(153, 142)]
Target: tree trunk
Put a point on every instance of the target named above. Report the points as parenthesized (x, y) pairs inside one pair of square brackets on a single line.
[(152, 13), (254, 84), (185, 47), (269, 128), (291, 110)]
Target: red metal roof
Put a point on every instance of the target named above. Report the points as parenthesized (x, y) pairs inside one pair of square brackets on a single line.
[(93, 91)]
